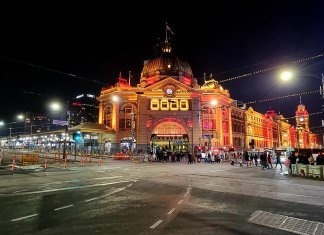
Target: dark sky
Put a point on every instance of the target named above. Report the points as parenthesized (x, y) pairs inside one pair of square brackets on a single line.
[(96, 42)]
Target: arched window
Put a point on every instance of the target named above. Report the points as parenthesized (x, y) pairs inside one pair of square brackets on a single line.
[(108, 115), (127, 117)]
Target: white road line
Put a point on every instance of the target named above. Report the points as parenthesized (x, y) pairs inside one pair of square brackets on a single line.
[(73, 187), (112, 192), (91, 199), (19, 191), (156, 224), (63, 207), (103, 178), (25, 217), (171, 211), (180, 202)]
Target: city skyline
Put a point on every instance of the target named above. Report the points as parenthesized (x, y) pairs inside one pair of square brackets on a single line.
[(41, 65)]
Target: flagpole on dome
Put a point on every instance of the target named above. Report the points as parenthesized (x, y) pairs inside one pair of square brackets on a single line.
[(129, 77), (166, 33)]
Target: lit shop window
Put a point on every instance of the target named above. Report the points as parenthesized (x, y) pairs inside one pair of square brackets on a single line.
[(155, 104)]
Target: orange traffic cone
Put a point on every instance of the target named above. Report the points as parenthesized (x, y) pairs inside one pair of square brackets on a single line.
[(65, 163), (100, 162), (46, 163)]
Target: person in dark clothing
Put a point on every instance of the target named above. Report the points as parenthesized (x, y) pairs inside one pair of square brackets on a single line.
[(278, 159), (255, 159), (263, 160), (246, 158)]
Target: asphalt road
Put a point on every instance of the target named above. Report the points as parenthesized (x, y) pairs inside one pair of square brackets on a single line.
[(121, 197)]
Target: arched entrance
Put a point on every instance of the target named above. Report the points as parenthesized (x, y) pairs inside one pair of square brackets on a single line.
[(169, 136)]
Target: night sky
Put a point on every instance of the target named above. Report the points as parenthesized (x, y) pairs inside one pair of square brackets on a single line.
[(41, 45)]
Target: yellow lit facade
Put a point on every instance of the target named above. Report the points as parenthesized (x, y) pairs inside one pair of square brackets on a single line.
[(169, 110)]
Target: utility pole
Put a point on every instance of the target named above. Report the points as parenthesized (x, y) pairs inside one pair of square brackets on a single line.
[(322, 98), (132, 131)]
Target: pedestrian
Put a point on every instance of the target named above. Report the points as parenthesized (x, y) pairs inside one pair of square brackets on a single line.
[(269, 160), (278, 154), (246, 158), (255, 159), (241, 160)]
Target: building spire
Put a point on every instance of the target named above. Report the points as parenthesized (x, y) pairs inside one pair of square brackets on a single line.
[(300, 101), (129, 77), (167, 47)]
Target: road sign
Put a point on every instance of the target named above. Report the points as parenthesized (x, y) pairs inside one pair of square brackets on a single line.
[(60, 122)]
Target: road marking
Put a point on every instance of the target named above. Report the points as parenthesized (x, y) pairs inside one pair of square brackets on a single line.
[(156, 224), (19, 191), (91, 199), (25, 217), (180, 202), (286, 223), (73, 187), (63, 207), (171, 211), (103, 178)]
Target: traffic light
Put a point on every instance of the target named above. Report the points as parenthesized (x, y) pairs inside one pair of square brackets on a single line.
[(76, 136)]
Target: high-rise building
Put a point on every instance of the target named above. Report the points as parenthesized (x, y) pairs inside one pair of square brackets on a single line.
[(83, 108)]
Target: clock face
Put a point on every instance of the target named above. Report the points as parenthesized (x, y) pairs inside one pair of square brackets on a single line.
[(169, 91)]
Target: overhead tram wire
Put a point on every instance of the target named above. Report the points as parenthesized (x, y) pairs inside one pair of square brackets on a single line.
[(271, 68), (221, 81), (283, 97), (53, 70)]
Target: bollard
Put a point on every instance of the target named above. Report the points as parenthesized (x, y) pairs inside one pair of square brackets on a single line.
[(83, 161)]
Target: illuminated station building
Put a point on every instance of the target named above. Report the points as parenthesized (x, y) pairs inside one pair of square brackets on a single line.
[(168, 110)]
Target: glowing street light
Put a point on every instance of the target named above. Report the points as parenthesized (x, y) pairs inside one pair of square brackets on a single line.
[(55, 106), (286, 75)]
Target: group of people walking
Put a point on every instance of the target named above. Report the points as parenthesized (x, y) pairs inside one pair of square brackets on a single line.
[(252, 159)]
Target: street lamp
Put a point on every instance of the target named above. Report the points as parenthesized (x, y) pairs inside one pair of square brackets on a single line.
[(57, 107), (288, 74), (20, 118), (214, 104)]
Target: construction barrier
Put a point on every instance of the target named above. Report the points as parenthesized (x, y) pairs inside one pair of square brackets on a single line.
[(294, 169), (315, 171), (121, 156), (29, 159), (303, 169), (56, 157), (136, 159)]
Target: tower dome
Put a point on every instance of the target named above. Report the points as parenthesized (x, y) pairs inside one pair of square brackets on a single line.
[(166, 65)]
